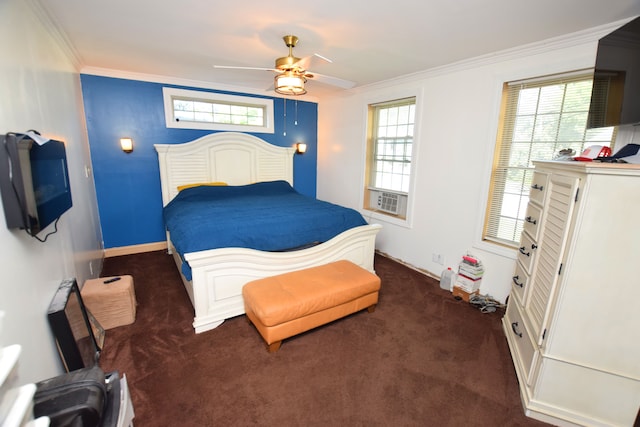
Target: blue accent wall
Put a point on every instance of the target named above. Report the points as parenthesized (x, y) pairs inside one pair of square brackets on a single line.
[(128, 185)]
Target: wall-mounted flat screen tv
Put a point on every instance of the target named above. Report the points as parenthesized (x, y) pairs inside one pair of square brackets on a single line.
[(615, 99), (34, 181)]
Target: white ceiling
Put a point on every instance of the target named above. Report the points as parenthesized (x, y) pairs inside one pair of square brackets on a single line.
[(368, 41)]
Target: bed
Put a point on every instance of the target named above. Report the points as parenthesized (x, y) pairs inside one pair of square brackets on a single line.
[(214, 277)]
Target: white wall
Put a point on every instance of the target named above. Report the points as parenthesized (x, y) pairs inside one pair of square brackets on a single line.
[(40, 89), (457, 120)]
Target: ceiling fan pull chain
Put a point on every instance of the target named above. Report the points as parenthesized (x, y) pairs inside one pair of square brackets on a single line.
[(285, 118), (295, 120)]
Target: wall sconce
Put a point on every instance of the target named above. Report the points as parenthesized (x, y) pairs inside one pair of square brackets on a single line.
[(126, 144), (301, 147)]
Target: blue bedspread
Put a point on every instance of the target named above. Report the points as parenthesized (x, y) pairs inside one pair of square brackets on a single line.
[(268, 216)]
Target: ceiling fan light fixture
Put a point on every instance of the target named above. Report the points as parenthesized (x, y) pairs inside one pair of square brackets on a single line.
[(290, 83)]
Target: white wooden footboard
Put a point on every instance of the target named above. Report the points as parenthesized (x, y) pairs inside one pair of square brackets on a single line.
[(218, 275)]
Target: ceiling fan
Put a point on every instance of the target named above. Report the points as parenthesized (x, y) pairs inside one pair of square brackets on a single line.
[(292, 72)]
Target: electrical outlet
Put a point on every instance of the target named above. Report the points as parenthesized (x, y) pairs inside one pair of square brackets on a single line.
[(437, 258)]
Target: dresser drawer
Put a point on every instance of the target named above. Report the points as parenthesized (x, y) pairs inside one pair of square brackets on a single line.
[(519, 283), (527, 251), (522, 348), (532, 220), (539, 186)]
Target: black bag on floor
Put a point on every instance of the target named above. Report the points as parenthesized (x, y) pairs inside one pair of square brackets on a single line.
[(75, 399)]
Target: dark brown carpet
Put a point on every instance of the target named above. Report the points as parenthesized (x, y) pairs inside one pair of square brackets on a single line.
[(422, 358)]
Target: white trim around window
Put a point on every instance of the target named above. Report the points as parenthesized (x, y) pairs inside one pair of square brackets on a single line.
[(382, 96), (265, 105)]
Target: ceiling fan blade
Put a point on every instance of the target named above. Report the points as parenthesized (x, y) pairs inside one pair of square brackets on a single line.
[(333, 81), (233, 67), (308, 61)]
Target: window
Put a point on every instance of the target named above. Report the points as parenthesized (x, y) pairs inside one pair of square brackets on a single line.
[(190, 109), (390, 143), (539, 118)]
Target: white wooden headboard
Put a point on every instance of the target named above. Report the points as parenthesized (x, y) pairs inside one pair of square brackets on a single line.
[(231, 157)]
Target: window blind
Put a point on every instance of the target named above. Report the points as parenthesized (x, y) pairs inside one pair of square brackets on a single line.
[(539, 117)]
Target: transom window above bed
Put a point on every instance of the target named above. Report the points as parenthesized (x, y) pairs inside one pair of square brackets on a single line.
[(192, 109)]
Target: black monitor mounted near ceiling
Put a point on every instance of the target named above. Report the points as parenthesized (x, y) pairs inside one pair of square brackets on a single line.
[(34, 181), (616, 81)]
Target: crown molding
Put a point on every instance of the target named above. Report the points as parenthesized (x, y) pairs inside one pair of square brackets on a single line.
[(55, 32), (157, 78), (591, 35)]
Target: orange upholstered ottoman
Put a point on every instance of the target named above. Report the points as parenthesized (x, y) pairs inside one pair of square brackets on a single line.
[(288, 304)]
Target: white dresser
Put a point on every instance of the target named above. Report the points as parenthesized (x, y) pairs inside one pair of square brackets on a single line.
[(573, 316)]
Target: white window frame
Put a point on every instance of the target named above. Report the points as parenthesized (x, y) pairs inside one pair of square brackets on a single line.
[(375, 145), (406, 220), (170, 93)]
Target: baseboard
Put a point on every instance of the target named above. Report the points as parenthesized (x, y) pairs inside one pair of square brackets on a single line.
[(413, 267), (135, 249)]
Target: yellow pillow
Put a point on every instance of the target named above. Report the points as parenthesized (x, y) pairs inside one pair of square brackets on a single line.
[(197, 184)]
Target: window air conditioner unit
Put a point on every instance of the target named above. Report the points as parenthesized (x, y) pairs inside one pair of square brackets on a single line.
[(388, 202)]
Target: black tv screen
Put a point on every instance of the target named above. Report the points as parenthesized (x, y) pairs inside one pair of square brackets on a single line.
[(615, 99), (78, 335), (34, 181)]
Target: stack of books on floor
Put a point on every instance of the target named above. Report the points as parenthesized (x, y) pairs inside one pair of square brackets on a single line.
[(470, 272)]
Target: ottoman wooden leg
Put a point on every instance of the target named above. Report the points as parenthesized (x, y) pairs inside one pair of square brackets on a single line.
[(371, 308), (273, 347)]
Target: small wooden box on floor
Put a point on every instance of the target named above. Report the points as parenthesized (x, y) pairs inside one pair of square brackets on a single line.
[(112, 304), (459, 292)]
